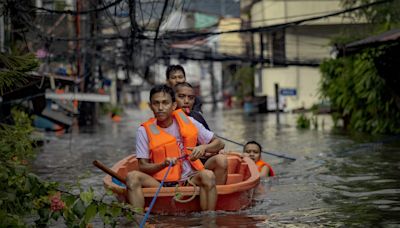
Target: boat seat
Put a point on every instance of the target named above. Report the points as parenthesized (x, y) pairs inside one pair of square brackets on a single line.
[(123, 171), (234, 178), (233, 164), (244, 170)]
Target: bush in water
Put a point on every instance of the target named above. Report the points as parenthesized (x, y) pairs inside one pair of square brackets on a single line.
[(24, 197), (359, 96)]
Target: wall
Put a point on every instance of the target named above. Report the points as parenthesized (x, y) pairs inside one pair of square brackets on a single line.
[(281, 11), (304, 79), (230, 43), (306, 43)]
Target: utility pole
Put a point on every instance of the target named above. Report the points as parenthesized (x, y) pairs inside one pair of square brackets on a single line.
[(277, 103), (77, 51), (88, 110), (77, 34), (131, 60), (211, 70)]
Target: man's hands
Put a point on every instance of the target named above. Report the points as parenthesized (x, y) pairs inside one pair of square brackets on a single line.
[(197, 152), (168, 161)]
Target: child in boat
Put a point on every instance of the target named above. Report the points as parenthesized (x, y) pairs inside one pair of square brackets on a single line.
[(218, 163), (253, 150), (166, 150)]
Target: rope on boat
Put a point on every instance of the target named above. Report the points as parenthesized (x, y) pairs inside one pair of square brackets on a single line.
[(153, 201), (146, 216), (178, 196), (270, 153)]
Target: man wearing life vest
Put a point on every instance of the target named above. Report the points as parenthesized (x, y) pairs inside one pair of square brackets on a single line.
[(165, 140), (185, 99), (253, 150)]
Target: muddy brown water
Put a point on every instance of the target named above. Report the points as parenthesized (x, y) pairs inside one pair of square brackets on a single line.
[(337, 180)]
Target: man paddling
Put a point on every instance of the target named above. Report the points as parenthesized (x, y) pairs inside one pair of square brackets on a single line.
[(160, 141), (218, 163)]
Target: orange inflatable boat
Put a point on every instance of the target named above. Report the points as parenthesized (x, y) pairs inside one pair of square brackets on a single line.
[(236, 194)]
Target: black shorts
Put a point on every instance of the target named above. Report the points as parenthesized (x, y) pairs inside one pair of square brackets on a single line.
[(171, 184), (204, 159)]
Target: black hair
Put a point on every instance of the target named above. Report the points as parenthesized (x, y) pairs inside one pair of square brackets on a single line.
[(173, 68), (162, 88), (182, 84), (253, 142)]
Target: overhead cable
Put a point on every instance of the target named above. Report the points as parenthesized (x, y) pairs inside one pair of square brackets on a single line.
[(159, 24), (189, 35), (73, 12)]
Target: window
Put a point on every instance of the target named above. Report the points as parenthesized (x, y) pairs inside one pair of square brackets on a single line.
[(277, 47)]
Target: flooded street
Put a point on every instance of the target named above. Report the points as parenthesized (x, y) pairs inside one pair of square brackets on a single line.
[(337, 180)]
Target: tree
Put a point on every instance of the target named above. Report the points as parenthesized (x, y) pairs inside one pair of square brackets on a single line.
[(359, 95), (13, 69), (244, 82), (383, 16)]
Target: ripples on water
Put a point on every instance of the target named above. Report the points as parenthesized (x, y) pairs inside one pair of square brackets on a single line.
[(338, 180)]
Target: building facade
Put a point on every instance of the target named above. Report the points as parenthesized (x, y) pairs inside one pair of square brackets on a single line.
[(289, 50)]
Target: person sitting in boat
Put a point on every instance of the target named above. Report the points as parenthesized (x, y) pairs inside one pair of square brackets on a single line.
[(176, 74), (253, 150), (218, 163), (165, 140)]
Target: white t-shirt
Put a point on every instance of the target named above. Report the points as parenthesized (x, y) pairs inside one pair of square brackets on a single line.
[(142, 143)]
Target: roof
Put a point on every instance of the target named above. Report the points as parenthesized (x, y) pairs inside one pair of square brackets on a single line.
[(385, 37)]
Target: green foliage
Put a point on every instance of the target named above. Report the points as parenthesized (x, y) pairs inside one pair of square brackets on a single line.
[(347, 35), (20, 188), (384, 16), (11, 148), (117, 110), (23, 195), (108, 108), (244, 79), (359, 96), (60, 5), (13, 69), (303, 122)]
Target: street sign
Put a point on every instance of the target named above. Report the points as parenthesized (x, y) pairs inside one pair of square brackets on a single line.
[(288, 92)]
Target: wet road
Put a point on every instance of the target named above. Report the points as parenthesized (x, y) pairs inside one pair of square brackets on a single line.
[(338, 180)]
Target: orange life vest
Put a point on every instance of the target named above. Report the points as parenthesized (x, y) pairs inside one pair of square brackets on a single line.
[(163, 145), (260, 163)]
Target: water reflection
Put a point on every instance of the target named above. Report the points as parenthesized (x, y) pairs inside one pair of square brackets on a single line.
[(213, 220), (337, 179), (367, 189)]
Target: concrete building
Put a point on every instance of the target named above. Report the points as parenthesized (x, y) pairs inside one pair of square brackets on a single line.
[(230, 43), (291, 54)]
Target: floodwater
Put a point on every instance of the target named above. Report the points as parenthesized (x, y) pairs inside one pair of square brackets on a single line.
[(338, 179)]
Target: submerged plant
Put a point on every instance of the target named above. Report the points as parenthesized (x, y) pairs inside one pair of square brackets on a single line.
[(303, 122)]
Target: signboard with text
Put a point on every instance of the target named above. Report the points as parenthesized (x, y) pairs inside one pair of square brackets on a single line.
[(288, 92)]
